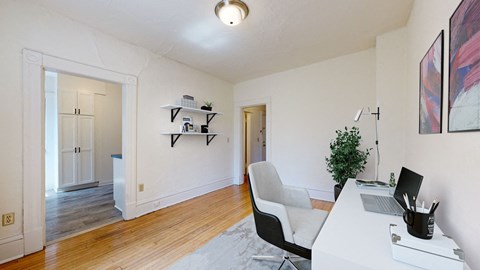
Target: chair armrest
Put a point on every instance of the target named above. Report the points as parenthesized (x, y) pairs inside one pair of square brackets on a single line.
[(280, 212), (297, 197)]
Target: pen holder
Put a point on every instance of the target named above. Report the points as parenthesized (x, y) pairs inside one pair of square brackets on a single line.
[(419, 224)]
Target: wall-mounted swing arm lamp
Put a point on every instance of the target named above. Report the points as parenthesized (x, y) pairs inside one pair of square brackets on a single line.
[(377, 117), (360, 113)]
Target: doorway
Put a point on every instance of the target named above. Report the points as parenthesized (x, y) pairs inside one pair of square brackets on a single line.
[(254, 136), (83, 129), (34, 65)]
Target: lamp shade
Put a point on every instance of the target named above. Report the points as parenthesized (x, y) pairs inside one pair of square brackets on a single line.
[(358, 115), (231, 12)]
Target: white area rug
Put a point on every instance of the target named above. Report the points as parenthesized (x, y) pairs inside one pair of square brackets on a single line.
[(233, 249)]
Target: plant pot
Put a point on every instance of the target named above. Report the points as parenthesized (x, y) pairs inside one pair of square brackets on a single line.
[(337, 189), (206, 108)]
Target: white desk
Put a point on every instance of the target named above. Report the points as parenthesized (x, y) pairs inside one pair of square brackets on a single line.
[(352, 238)]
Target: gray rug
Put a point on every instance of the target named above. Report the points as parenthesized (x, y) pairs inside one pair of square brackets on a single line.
[(233, 249)]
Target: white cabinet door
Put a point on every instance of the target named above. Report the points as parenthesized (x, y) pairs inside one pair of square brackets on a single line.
[(67, 140), (67, 101), (86, 103), (76, 102), (85, 154)]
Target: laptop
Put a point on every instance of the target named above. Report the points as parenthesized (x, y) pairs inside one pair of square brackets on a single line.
[(409, 182)]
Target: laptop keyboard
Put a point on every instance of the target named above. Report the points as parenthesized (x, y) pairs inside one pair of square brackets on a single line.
[(385, 204)]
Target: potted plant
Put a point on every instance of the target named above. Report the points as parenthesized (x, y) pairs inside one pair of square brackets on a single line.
[(208, 105), (346, 159)]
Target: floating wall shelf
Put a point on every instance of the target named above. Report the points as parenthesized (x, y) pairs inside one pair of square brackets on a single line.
[(175, 135), (175, 109)]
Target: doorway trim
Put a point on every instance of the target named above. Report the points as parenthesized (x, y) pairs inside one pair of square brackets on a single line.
[(34, 65), (239, 149)]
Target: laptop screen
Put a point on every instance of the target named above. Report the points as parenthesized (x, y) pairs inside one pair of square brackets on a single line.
[(408, 182)]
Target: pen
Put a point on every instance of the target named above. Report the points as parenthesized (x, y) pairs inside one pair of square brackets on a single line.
[(434, 208), (414, 204), (405, 197), (431, 206)]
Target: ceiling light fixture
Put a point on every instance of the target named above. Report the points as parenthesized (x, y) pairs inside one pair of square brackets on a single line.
[(231, 12)]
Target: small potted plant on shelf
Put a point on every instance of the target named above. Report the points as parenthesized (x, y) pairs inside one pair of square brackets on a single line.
[(208, 106), (346, 159)]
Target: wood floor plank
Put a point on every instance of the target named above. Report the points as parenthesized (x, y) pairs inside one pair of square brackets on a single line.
[(153, 241)]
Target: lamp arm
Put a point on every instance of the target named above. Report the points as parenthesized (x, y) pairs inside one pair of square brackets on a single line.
[(377, 113)]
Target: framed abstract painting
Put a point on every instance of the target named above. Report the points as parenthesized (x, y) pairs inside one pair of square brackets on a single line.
[(464, 77), (431, 88)]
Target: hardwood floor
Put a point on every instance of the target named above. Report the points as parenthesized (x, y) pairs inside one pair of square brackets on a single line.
[(68, 213), (153, 241)]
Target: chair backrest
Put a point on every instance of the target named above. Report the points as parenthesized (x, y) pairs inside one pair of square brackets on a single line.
[(265, 182)]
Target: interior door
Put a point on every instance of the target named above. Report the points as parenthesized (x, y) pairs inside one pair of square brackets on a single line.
[(67, 126), (86, 155)]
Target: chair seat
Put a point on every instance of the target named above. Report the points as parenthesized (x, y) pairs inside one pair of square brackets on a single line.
[(306, 224)]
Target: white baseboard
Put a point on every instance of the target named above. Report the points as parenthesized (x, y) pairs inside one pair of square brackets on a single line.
[(11, 248), (321, 195), (105, 183), (159, 203)]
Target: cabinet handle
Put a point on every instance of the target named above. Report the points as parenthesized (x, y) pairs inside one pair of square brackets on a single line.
[(78, 149), (75, 111), (75, 150), (78, 111)]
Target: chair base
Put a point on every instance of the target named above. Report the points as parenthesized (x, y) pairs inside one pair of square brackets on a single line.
[(285, 259)]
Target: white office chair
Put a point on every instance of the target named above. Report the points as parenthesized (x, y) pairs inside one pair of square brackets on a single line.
[(283, 215)]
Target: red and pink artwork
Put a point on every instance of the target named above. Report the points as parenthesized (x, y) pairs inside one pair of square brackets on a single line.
[(464, 81), (431, 88)]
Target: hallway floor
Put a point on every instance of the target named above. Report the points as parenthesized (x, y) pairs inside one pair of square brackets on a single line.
[(69, 213)]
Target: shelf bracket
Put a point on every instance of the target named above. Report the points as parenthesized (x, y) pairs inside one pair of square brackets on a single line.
[(173, 113), (174, 138), (210, 117), (210, 138)]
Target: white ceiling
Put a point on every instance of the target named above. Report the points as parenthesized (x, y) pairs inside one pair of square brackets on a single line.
[(277, 35)]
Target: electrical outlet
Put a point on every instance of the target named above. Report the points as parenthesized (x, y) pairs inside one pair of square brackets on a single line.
[(8, 219), (140, 187)]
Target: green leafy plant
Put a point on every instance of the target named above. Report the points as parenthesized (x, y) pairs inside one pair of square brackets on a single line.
[(346, 160), (208, 103)]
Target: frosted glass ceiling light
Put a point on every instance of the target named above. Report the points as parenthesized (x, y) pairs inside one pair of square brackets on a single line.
[(231, 12)]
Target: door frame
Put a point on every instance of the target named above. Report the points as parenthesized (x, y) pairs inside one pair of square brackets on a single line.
[(239, 148), (34, 66)]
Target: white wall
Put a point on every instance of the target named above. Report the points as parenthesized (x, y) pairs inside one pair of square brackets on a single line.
[(160, 81), (70, 82), (391, 65), (449, 161), (308, 105), (108, 131)]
